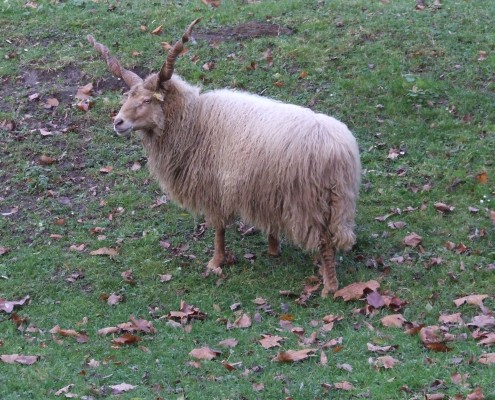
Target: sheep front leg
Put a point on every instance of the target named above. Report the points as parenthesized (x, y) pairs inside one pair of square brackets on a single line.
[(214, 265), (327, 268), (273, 245)]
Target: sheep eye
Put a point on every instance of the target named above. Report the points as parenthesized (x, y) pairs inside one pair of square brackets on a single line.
[(147, 101)]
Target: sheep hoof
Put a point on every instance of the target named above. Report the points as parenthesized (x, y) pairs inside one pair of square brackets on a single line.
[(330, 289), (230, 258), (274, 252), (214, 267)]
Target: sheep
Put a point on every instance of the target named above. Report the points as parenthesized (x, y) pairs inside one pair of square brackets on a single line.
[(225, 154)]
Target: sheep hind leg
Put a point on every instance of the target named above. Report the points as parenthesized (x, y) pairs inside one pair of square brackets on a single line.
[(327, 268), (273, 246), (214, 265)]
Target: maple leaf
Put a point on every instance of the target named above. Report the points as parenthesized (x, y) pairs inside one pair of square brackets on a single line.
[(293, 355), (488, 340), (269, 341), (483, 321), (356, 290), (488, 358), (8, 306), (84, 92), (412, 240), (121, 388), (452, 319), (375, 299), (114, 299), (204, 353)]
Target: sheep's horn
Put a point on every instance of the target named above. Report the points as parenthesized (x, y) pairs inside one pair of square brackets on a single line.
[(129, 77), (168, 67)]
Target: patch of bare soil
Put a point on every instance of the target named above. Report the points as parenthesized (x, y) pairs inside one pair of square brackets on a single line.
[(248, 30)]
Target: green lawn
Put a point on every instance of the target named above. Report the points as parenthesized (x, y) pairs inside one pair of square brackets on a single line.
[(416, 86)]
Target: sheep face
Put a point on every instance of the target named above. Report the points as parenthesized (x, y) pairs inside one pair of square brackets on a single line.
[(141, 111)]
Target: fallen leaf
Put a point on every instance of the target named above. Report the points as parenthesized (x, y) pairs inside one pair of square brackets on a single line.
[(293, 355), (34, 96), (4, 250), (244, 321), (454, 319), (18, 358), (482, 55), (396, 224), (267, 55), (343, 385), (46, 160), (488, 340), (375, 300), (104, 251), (381, 349), (482, 177), (258, 387), (45, 132), (114, 299), (157, 30), (135, 166), (412, 240), (356, 291), (474, 299), (106, 170), (65, 389), (488, 358), (443, 208), (107, 331), (212, 3), (121, 388), (323, 358), (345, 367), (165, 278), (269, 341), (126, 339), (228, 343), (51, 102), (204, 353), (84, 92), (386, 362), (8, 306), (483, 321)]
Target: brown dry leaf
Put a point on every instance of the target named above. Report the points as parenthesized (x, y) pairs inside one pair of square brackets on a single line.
[(430, 334), (228, 343), (106, 170), (209, 66), (51, 102), (482, 55), (18, 358), (279, 84), (204, 353), (482, 177), (483, 321), (267, 55), (435, 396), (438, 347), (258, 387), (121, 388), (343, 385), (443, 208), (488, 358), (166, 46), (323, 358), (46, 160), (64, 390), (397, 224), (157, 30), (244, 321), (356, 291), (136, 166), (454, 319), (114, 299), (381, 349), (293, 355), (476, 395), (492, 216), (4, 250), (105, 251), (488, 339), (473, 299), (165, 278), (126, 339), (303, 75), (386, 362), (45, 132), (269, 341), (8, 306), (412, 240), (213, 3), (107, 331), (84, 92)]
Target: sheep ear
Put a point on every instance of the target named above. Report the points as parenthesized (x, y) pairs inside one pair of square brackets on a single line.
[(158, 96)]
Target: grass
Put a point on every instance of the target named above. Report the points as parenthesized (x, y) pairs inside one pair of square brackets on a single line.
[(418, 81)]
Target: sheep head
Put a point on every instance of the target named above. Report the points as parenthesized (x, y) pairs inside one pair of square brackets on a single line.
[(144, 103)]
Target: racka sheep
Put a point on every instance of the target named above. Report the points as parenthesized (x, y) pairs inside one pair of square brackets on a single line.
[(226, 154)]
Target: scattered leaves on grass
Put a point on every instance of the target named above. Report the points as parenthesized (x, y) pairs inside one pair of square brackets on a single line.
[(186, 313), (81, 337), (51, 102), (84, 92), (212, 3), (65, 390), (356, 291), (8, 306), (157, 31), (114, 299), (228, 343), (386, 362), (126, 339), (381, 349), (290, 356), (204, 353), (443, 208), (476, 395), (19, 359), (243, 322)]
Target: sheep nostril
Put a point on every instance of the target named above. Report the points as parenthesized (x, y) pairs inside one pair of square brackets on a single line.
[(118, 121)]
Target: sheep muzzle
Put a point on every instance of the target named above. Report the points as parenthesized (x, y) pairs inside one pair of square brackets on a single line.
[(121, 126)]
